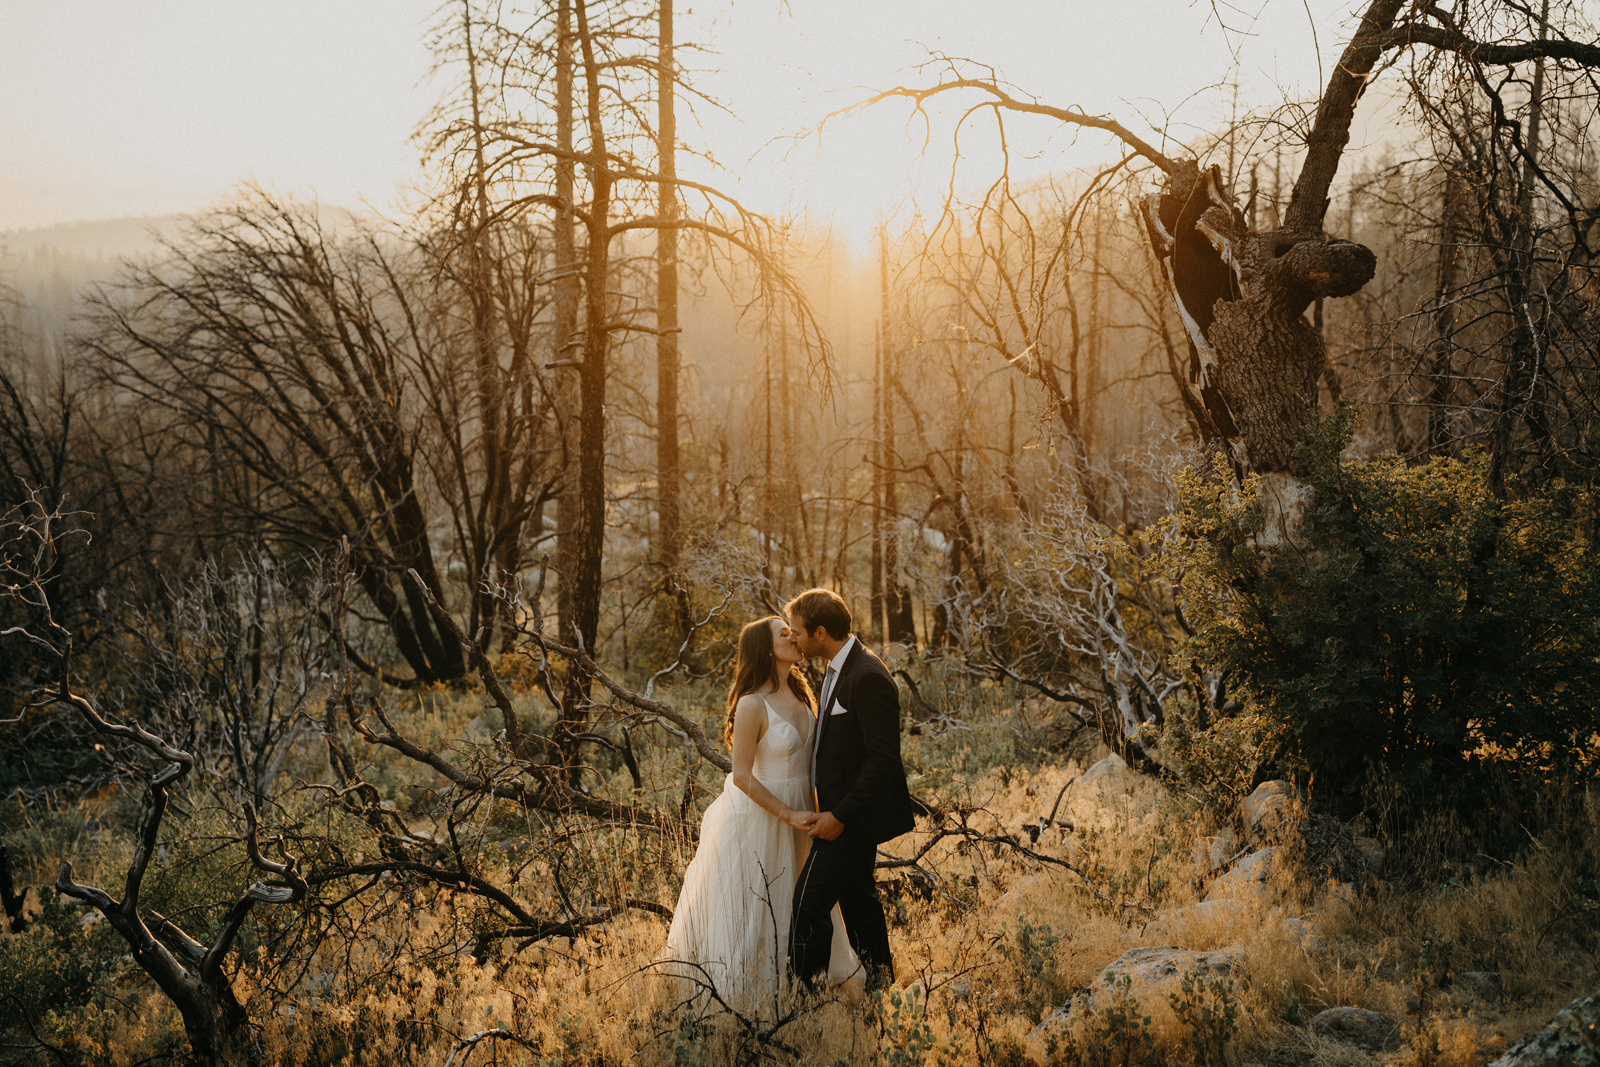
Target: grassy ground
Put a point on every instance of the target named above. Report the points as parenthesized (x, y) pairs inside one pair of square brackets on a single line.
[(988, 940)]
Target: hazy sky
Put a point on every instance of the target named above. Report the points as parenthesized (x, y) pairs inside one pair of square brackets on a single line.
[(129, 107)]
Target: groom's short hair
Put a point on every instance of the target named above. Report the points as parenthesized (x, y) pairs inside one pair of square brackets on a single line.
[(824, 608)]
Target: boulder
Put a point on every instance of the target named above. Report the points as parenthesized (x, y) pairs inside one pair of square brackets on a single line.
[(1306, 934), (1221, 917), (1109, 774), (1153, 974), (1250, 878), (1271, 811), (1213, 853), (1109, 789), (1013, 900), (1358, 1026), (1572, 1039), (1196, 919), (1372, 854)]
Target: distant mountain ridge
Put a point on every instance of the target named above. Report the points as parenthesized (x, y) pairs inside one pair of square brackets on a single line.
[(91, 238)]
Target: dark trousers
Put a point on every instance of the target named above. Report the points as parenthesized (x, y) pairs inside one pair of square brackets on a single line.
[(839, 872)]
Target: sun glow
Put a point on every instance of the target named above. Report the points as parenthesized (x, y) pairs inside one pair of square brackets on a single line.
[(108, 109)]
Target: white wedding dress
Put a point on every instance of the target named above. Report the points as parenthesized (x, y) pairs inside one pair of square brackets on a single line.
[(731, 926)]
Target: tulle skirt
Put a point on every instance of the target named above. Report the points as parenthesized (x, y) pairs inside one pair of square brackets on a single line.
[(730, 930)]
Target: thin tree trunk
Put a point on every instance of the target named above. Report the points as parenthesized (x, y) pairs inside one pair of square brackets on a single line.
[(900, 619), (1441, 379), (1519, 397), (566, 327), (769, 509), (878, 628), (668, 471), (483, 606), (590, 528)]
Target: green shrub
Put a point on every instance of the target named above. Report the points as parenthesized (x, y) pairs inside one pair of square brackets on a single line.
[(1116, 1034), (1206, 1007), (55, 970), (1033, 952), (1414, 619)]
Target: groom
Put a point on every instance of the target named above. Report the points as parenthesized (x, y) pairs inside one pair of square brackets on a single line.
[(861, 793)]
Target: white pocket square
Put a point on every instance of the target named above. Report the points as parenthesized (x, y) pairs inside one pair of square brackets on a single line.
[(839, 709)]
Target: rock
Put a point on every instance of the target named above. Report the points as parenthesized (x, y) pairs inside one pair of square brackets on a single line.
[(1358, 1026), (1110, 789), (1477, 985), (1251, 877), (1572, 1039), (1222, 916), (1270, 813), (1109, 773), (1153, 974), (1192, 919), (1011, 900), (1307, 934), (1372, 854), (1213, 853)]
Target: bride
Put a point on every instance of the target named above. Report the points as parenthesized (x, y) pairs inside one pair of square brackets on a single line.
[(730, 929)]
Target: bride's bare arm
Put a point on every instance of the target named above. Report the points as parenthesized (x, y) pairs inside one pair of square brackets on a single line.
[(749, 723)]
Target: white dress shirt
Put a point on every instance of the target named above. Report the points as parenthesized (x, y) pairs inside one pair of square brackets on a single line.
[(835, 665)]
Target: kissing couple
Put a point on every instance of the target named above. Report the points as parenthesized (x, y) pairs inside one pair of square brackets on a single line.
[(780, 889)]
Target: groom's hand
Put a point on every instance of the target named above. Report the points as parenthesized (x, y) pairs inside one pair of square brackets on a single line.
[(827, 827)]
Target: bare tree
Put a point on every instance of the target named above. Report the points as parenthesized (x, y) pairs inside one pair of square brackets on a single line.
[(1498, 352), (567, 135), (332, 393), (1240, 293), (232, 664), (189, 972)]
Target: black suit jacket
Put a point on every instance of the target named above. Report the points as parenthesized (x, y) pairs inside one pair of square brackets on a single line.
[(859, 776)]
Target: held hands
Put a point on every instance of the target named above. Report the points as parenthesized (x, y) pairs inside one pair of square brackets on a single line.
[(825, 826), (801, 820)]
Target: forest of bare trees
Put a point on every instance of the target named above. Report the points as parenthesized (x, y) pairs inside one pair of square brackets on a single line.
[(370, 582)]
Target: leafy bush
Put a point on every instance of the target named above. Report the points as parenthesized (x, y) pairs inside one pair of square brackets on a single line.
[(1116, 1034), (1032, 950), (1414, 619), (52, 972), (1206, 1007)]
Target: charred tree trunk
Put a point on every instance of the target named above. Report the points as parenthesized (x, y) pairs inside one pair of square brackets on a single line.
[(589, 529), (1519, 394), (669, 473), (1254, 361), (189, 973), (565, 330), (1440, 386), (899, 618)]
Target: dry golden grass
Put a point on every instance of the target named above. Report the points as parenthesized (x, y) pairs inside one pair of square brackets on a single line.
[(404, 989)]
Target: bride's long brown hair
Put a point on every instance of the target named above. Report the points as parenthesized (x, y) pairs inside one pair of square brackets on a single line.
[(756, 667)]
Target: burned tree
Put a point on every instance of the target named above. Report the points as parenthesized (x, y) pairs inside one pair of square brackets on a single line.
[(563, 136), (330, 391), (1241, 292), (188, 971)]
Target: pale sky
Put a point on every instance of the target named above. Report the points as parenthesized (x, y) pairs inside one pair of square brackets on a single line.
[(111, 108)]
